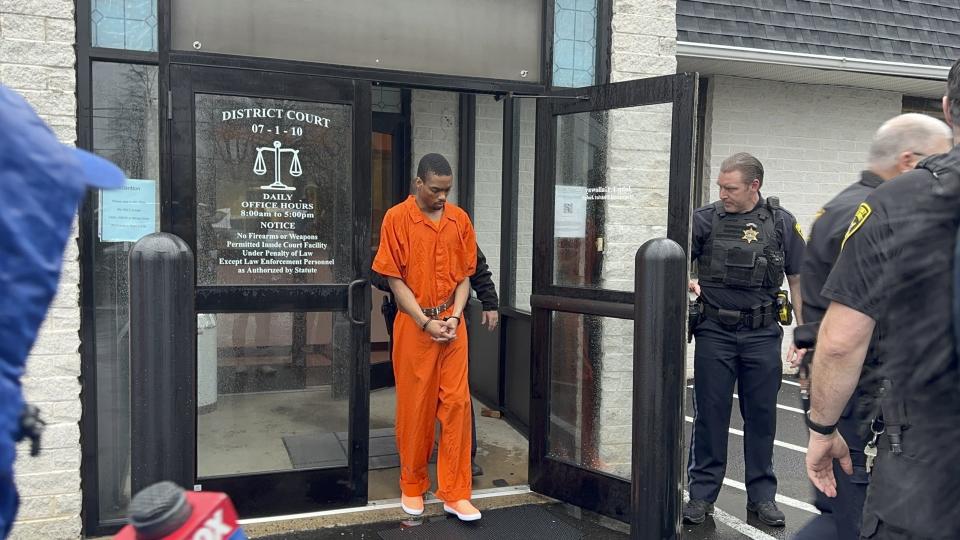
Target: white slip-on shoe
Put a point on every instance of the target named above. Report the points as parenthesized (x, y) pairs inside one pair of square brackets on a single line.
[(473, 516), (412, 511)]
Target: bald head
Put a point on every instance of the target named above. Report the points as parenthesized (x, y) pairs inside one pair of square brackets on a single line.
[(904, 140)]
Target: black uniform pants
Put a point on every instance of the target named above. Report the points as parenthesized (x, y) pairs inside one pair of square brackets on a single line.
[(751, 359), (840, 516)]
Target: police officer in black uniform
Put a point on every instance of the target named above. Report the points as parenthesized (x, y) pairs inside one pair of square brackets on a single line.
[(896, 271), (896, 148), (743, 244), (482, 283)]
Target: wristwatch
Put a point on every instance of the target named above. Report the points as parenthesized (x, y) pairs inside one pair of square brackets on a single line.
[(819, 428)]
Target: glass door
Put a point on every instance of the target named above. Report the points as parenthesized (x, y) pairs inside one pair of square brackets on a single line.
[(271, 188), (613, 169)]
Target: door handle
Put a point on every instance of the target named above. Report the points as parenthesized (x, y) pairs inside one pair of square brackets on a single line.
[(350, 294)]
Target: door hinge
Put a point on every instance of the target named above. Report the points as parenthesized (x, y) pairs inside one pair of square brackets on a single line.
[(169, 105)]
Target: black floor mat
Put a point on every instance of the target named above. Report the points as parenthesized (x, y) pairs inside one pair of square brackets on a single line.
[(528, 522), (322, 450)]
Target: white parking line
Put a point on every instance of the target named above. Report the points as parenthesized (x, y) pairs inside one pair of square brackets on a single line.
[(741, 527), (791, 383), (779, 406), (781, 444), (782, 499)]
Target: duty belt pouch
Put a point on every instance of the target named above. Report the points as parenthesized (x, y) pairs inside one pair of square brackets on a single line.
[(728, 317), (743, 268)]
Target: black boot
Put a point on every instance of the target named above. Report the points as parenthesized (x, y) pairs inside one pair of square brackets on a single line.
[(696, 510), (767, 512)]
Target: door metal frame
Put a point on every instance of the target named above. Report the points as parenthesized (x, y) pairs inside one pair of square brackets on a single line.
[(283, 492), (591, 489)]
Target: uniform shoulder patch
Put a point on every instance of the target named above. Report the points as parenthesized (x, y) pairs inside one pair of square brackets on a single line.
[(863, 212), (796, 227), (819, 213)]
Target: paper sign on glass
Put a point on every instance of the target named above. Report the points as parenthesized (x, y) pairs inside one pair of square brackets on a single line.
[(129, 213)]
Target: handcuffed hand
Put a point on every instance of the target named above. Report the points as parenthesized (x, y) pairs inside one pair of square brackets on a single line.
[(438, 331)]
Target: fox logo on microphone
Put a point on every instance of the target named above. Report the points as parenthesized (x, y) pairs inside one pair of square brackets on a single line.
[(166, 511), (214, 528)]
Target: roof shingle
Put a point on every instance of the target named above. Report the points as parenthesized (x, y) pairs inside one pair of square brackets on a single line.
[(911, 31)]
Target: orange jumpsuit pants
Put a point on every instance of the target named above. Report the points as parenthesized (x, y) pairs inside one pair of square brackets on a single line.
[(432, 385)]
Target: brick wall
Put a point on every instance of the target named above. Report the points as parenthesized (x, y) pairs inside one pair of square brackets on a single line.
[(638, 158), (489, 181), (523, 284), (812, 139), (37, 60), (435, 123)]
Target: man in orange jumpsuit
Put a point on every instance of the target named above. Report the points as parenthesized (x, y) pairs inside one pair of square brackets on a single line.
[(428, 251)]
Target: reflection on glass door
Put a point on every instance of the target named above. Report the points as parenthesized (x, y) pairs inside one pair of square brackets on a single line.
[(613, 171), (268, 396), (271, 182), (272, 385)]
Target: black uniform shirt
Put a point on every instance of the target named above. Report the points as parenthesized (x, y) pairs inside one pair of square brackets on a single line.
[(896, 266), (823, 243), (729, 298)]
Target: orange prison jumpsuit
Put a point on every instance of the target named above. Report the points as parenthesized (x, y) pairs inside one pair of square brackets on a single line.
[(431, 378)]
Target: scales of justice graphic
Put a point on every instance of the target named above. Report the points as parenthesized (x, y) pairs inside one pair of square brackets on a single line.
[(260, 167)]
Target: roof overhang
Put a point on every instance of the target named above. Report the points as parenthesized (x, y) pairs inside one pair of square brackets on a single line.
[(911, 79)]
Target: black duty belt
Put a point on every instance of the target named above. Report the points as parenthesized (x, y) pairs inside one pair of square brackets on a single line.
[(436, 311), (757, 317)]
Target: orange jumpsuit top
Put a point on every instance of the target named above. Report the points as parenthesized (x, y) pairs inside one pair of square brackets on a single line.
[(431, 258)]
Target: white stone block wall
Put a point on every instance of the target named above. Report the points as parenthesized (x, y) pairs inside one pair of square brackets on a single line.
[(523, 284), (37, 59), (638, 159), (434, 119), (812, 139), (487, 192)]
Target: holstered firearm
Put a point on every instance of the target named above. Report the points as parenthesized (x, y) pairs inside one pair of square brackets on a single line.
[(389, 310), (31, 426), (694, 316), (805, 337), (894, 415)]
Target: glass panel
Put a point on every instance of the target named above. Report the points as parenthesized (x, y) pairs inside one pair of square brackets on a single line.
[(272, 392), (496, 39), (612, 182), (387, 99), (523, 251), (124, 24), (488, 190), (125, 131), (591, 392), (574, 42), (383, 166), (274, 184)]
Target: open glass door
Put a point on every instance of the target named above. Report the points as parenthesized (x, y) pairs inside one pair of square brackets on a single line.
[(614, 165), (271, 188)]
